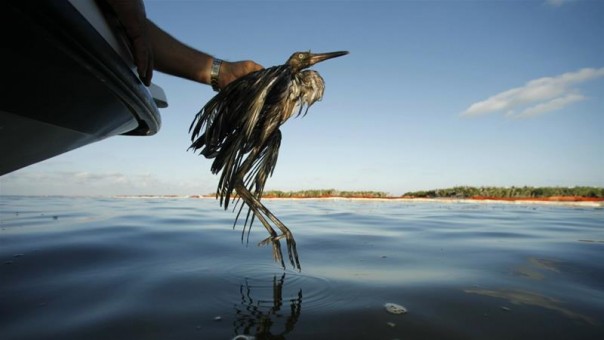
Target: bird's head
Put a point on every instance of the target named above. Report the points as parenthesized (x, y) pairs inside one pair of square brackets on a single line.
[(302, 60)]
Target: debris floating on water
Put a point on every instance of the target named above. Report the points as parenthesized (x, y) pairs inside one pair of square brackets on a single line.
[(391, 324), (393, 308), (217, 318), (244, 337)]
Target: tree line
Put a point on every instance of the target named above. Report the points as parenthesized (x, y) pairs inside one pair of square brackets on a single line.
[(508, 192), (454, 192), (317, 193)]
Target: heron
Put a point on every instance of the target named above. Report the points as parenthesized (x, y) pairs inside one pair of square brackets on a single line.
[(239, 129)]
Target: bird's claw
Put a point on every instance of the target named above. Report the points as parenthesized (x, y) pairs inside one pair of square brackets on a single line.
[(276, 238), (266, 241), (292, 251)]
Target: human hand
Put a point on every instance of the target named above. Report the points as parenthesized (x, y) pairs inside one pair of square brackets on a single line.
[(131, 14), (230, 71)]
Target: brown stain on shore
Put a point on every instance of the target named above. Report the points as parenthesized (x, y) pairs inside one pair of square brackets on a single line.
[(476, 198), (553, 199), (541, 199)]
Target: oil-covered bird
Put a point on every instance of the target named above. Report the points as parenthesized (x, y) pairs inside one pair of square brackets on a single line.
[(239, 129)]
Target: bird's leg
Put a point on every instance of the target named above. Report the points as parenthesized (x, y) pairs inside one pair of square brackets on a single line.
[(255, 205), (250, 200), (261, 211), (292, 251)]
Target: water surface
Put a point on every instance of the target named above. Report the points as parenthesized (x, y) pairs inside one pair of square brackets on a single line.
[(120, 268)]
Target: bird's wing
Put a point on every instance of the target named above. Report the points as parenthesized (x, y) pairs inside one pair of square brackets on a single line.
[(264, 165), (288, 94), (234, 110), (254, 153), (228, 127)]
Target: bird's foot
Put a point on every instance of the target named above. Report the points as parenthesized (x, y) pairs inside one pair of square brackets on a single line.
[(266, 241), (277, 253), (292, 251)]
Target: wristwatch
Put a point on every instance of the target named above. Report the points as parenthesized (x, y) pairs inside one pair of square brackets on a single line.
[(214, 73)]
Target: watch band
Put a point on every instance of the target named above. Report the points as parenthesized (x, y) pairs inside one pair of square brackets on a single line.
[(214, 73)]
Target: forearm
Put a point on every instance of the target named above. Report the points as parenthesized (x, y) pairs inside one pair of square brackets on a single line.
[(177, 59)]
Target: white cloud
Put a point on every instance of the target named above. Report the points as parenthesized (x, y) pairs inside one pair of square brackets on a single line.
[(25, 182), (551, 105), (536, 96)]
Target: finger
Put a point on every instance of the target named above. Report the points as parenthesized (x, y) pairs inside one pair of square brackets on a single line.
[(150, 66), (146, 73), (257, 67), (143, 61)]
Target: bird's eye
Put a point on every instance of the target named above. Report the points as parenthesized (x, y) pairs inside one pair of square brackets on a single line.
[(301, 56)]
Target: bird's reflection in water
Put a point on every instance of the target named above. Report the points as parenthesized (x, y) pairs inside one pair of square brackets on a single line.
[(263, 312)]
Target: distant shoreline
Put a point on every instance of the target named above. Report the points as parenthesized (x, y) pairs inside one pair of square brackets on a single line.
[(557, 200), (567, 201)]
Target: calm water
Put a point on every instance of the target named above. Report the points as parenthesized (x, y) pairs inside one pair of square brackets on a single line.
[(94, 268)]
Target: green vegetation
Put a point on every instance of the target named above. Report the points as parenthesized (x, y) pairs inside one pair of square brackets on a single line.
[(324, 193), (459, 192), (509, 192)]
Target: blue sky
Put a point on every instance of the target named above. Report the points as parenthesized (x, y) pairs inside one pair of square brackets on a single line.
[(433, 94)]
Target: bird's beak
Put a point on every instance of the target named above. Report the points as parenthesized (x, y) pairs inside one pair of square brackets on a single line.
[(319, 57)]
